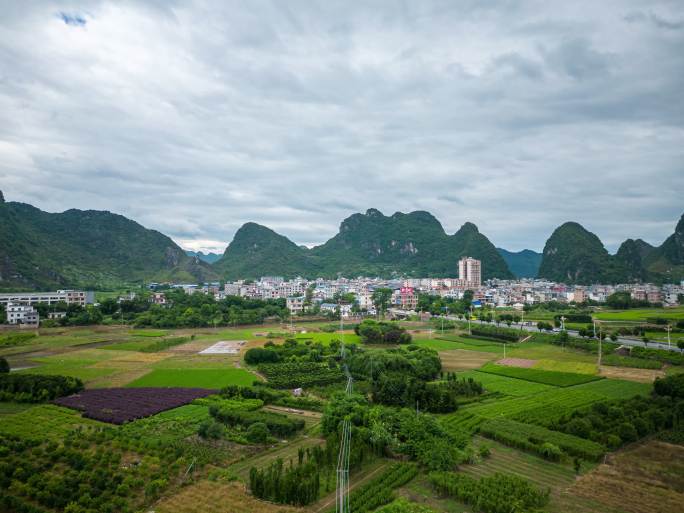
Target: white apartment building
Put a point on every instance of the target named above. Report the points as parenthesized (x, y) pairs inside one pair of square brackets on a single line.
[(22, 314), (78, 297)]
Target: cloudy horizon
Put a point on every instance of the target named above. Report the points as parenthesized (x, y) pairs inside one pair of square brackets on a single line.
[(193, 118)]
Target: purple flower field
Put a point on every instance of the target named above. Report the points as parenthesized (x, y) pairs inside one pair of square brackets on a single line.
[(119, 405)]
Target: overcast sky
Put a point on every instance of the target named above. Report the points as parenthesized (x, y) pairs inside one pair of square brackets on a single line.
[(195, 117)]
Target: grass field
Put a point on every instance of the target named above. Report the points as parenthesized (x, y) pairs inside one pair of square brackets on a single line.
[(641, 314), (461, 359), (505, 385), (200, 378), (560, 379), (349, 337), (217, 497), (44, 421)]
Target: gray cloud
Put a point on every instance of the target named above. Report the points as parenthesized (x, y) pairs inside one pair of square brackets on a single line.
[(195, 117)]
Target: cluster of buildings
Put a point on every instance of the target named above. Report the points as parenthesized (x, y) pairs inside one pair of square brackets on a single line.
[(302, 295), (322, 295), (20, 306)]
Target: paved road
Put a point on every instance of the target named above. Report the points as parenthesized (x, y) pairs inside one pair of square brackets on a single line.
[(621, 340)]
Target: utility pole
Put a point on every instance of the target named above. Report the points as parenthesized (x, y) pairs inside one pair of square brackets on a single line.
[(594, 328), (562, 320), (504, 349), (470, 331), (668, 329), (600, 347)]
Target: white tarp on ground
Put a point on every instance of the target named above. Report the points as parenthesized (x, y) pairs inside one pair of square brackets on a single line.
[(224, 347)]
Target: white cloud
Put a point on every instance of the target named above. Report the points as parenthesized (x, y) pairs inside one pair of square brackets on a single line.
[(195, 117)]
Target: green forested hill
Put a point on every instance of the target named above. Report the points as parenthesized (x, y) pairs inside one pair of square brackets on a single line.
[(575, 255), (89, 249), (259, 251), (523, 264), (369, 244)]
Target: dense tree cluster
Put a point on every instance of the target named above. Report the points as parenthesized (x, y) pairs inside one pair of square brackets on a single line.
[(373, 332), (72, 477), (35, 388), (615, 423), (181, 311), (277, 424), (417, 435), (492, 332)]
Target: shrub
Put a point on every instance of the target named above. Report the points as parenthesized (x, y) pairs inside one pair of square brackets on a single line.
[(257, 433), (4, 366)]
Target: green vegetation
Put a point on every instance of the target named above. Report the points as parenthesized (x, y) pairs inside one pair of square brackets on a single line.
[(199, 378), (43, 422), (574, 255), (45, 250), (493, 494), (548, 444), (300, 374), (615, 423), (278, 425), (30, 388), (378, 491), (559, 379), (505, 385), (372, 332)]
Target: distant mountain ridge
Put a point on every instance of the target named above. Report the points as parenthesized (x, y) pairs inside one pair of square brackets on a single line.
[(87, 249), (523, 264), (209, 258), (369, 244), (99, 249), (574, 255)]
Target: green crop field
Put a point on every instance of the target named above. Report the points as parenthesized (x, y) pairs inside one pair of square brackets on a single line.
[(641, 314), (505, 385), (200, 378), (560, 379), (44, 421), (326, 338)]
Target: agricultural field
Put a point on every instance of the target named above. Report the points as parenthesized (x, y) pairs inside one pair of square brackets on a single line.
[(195, 378), (44, 421), (505, 385), (197, 453), (641, 314), (644, 478), (559, 379)]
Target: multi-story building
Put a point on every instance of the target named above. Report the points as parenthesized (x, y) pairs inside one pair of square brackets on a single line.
[(295, 305), (22, 314), (470, 272), (78, 297)]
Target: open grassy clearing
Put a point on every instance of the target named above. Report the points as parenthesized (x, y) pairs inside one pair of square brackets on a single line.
[(349, 337), (644, 478), (566, 366), (44, 421), (631, 374), (199, 378), (217, 497), (461, 359)]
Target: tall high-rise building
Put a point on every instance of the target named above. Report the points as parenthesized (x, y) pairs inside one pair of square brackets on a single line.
[(470, 272)]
